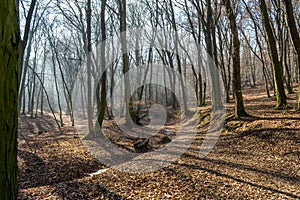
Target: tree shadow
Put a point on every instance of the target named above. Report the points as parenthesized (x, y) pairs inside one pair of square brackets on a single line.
[(278, 118), (268, 133), (217, 173), (84, 190), (285, 177), (37, 171)]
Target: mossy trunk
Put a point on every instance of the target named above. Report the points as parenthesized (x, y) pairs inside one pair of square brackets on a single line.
[(9, 41)]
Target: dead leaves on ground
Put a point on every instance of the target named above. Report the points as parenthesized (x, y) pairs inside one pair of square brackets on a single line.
[(254, 159)]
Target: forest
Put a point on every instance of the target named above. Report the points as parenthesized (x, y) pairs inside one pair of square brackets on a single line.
[(149, 99)]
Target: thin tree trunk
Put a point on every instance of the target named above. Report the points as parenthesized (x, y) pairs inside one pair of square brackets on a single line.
[(33, 85), (24, 73), (286, 66), (184, 97), (57, 91), (88, 68), (47, 96)]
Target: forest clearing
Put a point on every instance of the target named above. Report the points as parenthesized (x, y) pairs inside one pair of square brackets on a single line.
[(256, 157)]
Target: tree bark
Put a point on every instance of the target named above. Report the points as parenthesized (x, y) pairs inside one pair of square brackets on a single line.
[(9, 42)]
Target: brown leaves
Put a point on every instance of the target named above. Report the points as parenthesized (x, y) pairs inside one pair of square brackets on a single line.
[(256, 159)]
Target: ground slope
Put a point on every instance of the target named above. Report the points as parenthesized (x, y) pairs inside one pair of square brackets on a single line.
[(256, 157)]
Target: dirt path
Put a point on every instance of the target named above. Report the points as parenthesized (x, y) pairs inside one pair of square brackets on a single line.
[(255, 158)]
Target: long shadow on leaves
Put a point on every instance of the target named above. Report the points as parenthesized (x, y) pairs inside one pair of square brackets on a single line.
[(79, 190), (37, 172), (217, 173)]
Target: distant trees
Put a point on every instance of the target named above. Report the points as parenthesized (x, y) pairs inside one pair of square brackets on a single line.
[(9, 43), (22, 46), (248, 42)]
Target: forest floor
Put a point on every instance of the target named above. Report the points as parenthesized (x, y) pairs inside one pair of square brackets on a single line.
[(255, 157)]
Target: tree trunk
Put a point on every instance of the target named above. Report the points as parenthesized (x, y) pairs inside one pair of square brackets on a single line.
[(9, 42), (277, 65), (286, 66), (215, 83), (294, 34), (184, 97), (88, 66), (236, 82), (125, 58), (103, 65)]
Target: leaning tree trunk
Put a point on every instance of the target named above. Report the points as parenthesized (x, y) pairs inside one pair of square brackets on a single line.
[(294, 34), (237, 88), (9, 41), (277, 65)]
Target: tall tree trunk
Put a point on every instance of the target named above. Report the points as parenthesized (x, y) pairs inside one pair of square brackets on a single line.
[(184, 97), (57, 91), (125, 58), (236, 82), (9, 42), (103, 65), (294, 34), (216, 90), (222, 65), (277, 65), (33, 96), (88, 68)]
